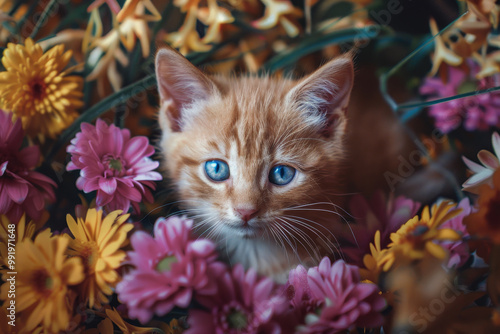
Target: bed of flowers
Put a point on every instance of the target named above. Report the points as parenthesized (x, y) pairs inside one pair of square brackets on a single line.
[(92, 240)]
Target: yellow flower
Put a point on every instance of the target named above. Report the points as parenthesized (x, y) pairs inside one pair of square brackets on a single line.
[(21, 231), (377, 261), (43, 276), (131, 25), (415, 239), (98, 242), (282, 12), (442, 54), (37, 89), (186, 39)]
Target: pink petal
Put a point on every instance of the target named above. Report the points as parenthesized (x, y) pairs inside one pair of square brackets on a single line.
[(3, 167), (495, 139), (478, 178), (5, 201), (134, 150), (18, 192), (183, 298), (29, 156), (488, 159), (475, 167), (108, 185)]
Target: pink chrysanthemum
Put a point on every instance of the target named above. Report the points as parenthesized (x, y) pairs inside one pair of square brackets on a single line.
[(376, 214), (336, 300), (299, 294), (477, 111), (114, 164), (21, 188), (169, 268), (242, 304), (459, 250)]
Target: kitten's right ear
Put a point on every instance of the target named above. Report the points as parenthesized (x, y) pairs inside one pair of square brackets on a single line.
[(180, 84)]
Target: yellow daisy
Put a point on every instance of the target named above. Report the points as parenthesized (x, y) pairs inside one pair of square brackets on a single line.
[(377, 261), (37, 89), (43, 276), (21, 231), (98, 241), (415, 239)]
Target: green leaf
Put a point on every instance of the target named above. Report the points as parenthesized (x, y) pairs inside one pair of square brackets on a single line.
[(43, 18), (314, 43), (98, 109)]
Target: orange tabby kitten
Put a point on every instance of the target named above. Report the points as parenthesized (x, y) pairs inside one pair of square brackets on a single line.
[(259, 162)]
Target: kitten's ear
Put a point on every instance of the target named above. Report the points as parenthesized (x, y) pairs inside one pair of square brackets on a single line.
[(324, 95), (180, 84)]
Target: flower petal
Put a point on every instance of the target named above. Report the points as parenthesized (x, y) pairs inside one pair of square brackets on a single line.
[(108, 185), (488, 159)]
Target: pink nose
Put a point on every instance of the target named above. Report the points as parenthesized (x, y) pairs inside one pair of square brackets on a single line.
[(246, 213)]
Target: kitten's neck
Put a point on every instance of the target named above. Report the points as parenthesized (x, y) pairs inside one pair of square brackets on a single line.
[(265, 256)]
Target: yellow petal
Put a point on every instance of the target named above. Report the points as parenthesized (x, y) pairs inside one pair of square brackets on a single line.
[(436, 250)]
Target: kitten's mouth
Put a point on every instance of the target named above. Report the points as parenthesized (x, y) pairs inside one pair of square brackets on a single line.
[(246, 231)]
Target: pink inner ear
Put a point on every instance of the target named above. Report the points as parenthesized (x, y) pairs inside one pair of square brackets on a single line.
[(179, 84), (327, 91)]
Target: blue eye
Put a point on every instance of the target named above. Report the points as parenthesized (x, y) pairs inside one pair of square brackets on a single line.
[(217, 170), (281, 175)]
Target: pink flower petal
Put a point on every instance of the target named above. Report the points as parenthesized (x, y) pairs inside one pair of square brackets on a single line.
[(495, 139), (488, 159), (475, 167), (17, 191), (478, 178), (108, 185), (3, 167)]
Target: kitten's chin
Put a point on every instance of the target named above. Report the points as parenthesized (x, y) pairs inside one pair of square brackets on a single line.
[(246, 232)]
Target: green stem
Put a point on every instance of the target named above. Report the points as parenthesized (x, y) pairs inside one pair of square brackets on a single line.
[(98, 109), (43, 17)]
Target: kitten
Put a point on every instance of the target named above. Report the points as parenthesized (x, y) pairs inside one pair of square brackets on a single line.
[(260, 162)]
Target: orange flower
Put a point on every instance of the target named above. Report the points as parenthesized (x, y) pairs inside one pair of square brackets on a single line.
[(486, 221)]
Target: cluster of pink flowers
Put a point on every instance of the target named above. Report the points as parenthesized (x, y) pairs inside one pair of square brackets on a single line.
[(173, 267), (117, 166), (243, 303), (333, 298), (478, 112), (167, 269), (21, 188)]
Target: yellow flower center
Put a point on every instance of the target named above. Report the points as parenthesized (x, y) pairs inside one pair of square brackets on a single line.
[(165, 264)]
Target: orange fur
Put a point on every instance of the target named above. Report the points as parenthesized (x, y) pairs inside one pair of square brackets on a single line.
[(253, 124)]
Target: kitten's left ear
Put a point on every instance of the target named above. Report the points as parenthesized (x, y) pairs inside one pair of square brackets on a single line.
[(324, 95)]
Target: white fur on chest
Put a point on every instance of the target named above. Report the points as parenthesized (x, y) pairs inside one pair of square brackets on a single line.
[(261, 254)]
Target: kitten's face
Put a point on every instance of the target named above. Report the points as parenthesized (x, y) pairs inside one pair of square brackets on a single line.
[(251, 156)]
